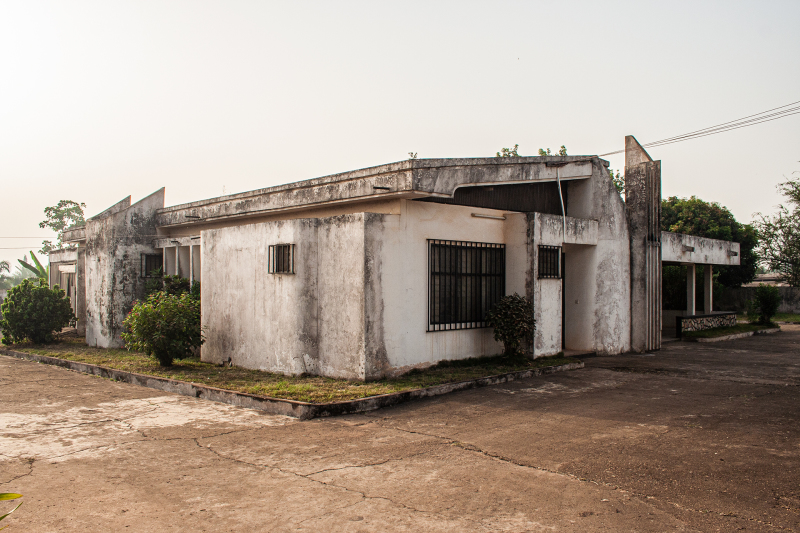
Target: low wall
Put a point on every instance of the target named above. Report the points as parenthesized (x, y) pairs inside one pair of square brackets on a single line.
[(737, 299), (703, 322)]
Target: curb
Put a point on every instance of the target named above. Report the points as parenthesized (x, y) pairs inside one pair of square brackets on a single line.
[(279, 406), (736, 335)]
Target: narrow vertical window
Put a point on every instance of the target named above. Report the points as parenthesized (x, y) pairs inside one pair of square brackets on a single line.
[(549, 262), (281, 259)]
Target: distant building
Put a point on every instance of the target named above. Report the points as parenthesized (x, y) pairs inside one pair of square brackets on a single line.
[(377, 271)]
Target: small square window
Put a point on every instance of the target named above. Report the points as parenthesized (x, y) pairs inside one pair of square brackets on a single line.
[(549, 262), (281, 259), (152, 265)]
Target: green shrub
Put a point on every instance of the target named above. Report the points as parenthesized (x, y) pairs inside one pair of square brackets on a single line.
[(512, 320), (171, 285), (765, 304), (166, 326), (33, 311)]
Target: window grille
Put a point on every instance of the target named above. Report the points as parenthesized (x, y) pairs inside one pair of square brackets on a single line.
[(281, 259), (152, 265), (466, 280), (549, 262)]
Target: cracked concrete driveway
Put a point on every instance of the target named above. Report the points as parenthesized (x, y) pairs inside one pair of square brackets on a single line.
[(693, 438)]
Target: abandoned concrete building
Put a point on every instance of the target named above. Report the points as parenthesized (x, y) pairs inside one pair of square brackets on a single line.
[(377, 271)]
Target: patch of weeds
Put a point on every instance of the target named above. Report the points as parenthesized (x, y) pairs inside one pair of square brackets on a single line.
[(312, 389), (787, 317)]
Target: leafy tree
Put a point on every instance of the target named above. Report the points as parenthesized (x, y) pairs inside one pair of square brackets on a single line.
[(561, 151), (39, 270), (765, 304), (166, 326), (780, 235), (512, 320), (508, 152), (618, 180), (693, 216), (34, 312), (59, 217)]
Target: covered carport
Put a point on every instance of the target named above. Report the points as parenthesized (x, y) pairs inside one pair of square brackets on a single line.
[(690, 251)]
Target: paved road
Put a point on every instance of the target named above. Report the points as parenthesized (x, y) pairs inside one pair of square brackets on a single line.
[(693, 438)]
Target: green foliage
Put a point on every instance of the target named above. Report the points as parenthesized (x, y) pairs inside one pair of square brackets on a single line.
[(5, 496), (780, 235), (38, 270), (59, 217), (34, 312), (174, 285), (10, 279), (508, 152), (166, 326), (693, 216), (561, 151), (618, 180), (765, 304), (512, 320), (412, 155)]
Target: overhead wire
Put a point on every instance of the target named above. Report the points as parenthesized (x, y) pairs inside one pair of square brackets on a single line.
[(743, 122)]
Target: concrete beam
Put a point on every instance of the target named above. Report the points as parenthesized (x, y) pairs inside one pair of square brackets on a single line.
[(686, 249)]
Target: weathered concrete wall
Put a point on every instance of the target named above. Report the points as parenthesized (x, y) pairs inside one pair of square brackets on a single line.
[(308, 322), (643, 202), (115, 240), (598, 278), (685, 249)]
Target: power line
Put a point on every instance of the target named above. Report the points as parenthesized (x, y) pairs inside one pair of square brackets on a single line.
[(750, 120)]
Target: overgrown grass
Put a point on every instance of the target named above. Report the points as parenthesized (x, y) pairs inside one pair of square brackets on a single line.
[(729, 330), (312, 389)]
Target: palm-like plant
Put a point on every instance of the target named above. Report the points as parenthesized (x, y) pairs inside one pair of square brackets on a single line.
[(39, 270)]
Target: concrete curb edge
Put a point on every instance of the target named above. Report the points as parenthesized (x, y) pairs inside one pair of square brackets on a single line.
[(279, 406), (737, 335)]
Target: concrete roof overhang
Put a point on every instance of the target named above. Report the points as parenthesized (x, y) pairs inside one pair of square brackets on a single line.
[(414, 178), (680, 249)]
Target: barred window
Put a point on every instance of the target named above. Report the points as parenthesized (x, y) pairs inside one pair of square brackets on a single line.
[(549, 262), (281, 259), (152, 265), (466, 281)]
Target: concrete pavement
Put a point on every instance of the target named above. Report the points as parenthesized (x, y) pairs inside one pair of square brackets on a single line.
[(693, 438)]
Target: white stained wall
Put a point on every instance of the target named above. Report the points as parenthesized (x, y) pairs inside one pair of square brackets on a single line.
[(405, 276), (311, 321)]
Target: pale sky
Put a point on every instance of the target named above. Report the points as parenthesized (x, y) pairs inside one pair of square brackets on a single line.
[(99, 100)]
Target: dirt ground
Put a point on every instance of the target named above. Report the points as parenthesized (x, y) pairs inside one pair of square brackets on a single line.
[(695, 437)]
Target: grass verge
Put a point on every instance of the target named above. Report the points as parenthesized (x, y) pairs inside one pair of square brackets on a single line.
[(730, 330), (313, 389), (787, 317)]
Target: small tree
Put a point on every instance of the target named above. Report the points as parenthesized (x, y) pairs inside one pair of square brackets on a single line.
[(765, 304), (59, 217), (166, 326), (779, 234), (512, 320), (34, 312)]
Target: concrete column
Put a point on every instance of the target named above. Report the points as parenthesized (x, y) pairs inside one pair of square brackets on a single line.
[(691, 289), (191, 263), (708, 289)]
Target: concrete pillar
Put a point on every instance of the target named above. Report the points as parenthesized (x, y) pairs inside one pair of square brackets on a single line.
[(708, 289), (691, 289)]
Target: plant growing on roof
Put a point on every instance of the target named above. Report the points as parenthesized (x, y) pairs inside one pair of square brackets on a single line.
[(34, 312), (512, 320), (166, 326)]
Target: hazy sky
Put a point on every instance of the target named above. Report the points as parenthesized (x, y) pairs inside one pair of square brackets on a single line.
[(99, 100)]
